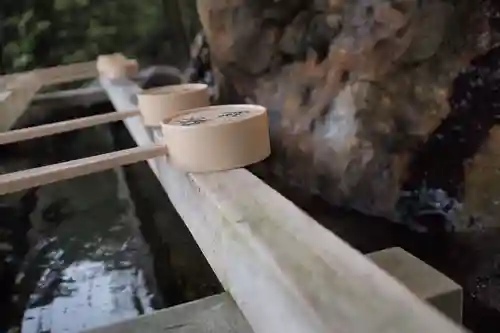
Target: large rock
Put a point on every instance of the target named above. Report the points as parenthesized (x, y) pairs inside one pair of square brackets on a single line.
[(354, 88)]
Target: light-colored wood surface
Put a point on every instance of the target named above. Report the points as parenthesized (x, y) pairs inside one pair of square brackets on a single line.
[(21, 180), (116, 65), (423, 280), (58, 74), (19, 89), (29, 133), (215, 314), (67, 73), (285, 272), (219, 314), (17, 97), (4, 95), (94, 93), (162, 103), (217, 138)]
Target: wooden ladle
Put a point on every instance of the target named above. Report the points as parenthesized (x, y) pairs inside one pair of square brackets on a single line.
[(203, 140)]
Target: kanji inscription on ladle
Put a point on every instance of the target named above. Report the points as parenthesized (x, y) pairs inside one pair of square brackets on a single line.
[(210, 116), (232, 114), (192, 121)]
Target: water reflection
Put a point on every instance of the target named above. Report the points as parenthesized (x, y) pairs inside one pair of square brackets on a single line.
[(86, 295), (91, 266)]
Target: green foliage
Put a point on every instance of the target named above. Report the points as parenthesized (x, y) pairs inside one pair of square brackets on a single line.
[(40, 33)]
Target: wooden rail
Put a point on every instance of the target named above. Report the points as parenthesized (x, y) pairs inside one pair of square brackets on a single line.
[(285, 272), (58, 74), (17, 90), (16, 98)]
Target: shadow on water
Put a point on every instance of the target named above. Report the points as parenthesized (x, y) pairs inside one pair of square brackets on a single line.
[(181, 269), (88, 264), (89, 252), (14, 224)]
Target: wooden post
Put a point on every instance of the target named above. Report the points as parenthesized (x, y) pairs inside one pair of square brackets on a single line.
[(424, 281)]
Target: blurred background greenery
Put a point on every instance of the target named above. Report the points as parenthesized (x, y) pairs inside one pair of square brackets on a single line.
[(41, 33)]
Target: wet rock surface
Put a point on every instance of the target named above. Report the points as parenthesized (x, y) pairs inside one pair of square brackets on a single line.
[(388, 108), (356, 91), (97, 249)]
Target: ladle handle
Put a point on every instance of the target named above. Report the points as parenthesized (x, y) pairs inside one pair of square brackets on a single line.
[(63, 126), (22, 180)]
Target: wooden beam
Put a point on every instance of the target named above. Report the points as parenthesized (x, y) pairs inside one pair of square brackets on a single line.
[(285, 272), (220, 314), (19, 89), (63, 126), (22, 180), (58, 74), (16, 99), (4, 95), (214, 314), (423, 280), (94, 93)]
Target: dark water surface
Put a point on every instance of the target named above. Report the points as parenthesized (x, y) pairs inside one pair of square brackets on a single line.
[(97, 249)]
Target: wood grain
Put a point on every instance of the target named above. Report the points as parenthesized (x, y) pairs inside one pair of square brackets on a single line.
[(21, 180), (19, 89), (285, 272), (58, 74), (17, 98), (215, 314), (62, 127)]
